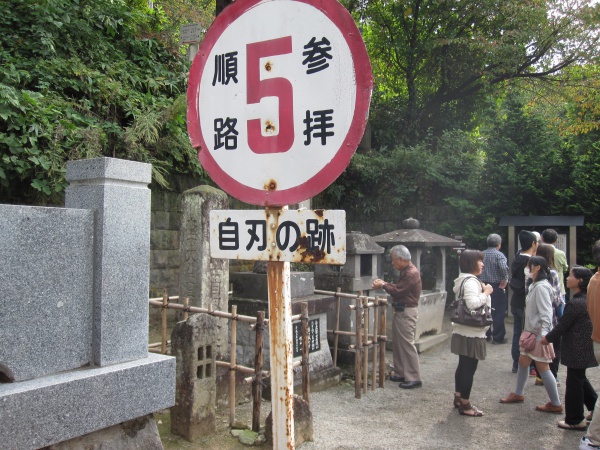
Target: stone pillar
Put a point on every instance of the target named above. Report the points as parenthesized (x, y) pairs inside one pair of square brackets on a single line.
[(117, 191), (203, 279), (193, 345)]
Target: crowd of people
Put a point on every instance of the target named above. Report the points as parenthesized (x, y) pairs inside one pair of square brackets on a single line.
[(548, 328)]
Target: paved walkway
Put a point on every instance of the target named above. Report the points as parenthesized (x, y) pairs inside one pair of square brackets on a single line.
[(393, 418)]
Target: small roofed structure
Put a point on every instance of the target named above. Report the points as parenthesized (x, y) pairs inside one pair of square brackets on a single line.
[(566, 227), (432, 303)]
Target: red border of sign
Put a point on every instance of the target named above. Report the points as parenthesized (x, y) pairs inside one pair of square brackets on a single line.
[(328, 174)]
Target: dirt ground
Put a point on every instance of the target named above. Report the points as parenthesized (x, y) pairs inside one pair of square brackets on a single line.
[(393, 418)]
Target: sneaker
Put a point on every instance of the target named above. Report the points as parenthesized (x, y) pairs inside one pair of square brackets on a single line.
[(515, 368), (533, 373), (585, 444), (538, 381)]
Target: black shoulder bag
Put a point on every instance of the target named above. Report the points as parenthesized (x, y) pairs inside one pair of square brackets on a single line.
[(480, 317)]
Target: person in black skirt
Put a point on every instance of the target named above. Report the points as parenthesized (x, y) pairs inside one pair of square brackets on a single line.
[(469, 342), (577, 351)]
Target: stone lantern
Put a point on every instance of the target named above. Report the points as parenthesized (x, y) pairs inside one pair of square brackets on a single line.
[(428, 252), (364, 258)]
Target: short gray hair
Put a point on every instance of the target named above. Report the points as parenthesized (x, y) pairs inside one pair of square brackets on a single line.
[(494, 240), (400, 251)]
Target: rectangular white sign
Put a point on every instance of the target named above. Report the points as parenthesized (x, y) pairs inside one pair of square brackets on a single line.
[(190, 34), (317, 237)]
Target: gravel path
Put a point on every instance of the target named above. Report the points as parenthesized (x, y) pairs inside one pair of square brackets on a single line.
[(393, 418)]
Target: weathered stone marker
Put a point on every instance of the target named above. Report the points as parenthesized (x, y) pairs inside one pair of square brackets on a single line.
[(204, 280), (193, 345)]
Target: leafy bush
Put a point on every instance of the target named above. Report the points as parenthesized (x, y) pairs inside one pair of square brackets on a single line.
[(79, 80)]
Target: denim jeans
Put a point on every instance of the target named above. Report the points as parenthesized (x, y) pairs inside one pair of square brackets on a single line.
[(499, 303), (519, 318)]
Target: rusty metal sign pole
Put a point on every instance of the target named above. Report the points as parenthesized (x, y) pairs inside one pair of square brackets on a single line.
[(281, 353)]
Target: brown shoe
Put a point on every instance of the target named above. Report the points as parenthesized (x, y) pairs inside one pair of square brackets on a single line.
[(550, 408), (512, 398)]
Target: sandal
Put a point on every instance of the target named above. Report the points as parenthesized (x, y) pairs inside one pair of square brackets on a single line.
[(578, 427), (456, 400), (466, 406)]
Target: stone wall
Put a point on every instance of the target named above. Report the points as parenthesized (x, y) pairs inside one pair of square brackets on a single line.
[(164, 235)]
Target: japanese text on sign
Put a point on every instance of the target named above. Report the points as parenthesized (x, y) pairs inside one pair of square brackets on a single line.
[(298, 236), (314, 339), (276, 113)]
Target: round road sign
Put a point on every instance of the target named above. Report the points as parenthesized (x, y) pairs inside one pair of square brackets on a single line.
[(278, 98)]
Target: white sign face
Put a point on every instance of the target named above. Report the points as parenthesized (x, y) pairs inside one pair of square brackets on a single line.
[(190, 34), (278, 99), (317, 236)]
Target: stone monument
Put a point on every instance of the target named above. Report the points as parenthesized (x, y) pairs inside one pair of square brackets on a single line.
[(74, 312), (193, 345), (204, 280)]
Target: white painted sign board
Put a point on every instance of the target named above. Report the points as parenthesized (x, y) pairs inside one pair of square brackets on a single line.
[(317, 237), (190, 34), (278, 98)]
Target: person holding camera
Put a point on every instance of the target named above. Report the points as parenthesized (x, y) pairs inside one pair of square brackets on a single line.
[(405, 299)]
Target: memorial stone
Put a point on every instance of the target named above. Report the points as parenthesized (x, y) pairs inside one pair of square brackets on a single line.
[(118, 192), (204, 280), (193, 345), (78, 361)]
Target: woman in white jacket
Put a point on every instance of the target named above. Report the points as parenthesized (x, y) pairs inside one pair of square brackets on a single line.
[(469, 342), (538, 320)]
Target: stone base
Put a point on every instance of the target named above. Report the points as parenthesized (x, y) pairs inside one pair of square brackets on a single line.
[(303, 423), (428, 341), (56, 408), (131, 435)]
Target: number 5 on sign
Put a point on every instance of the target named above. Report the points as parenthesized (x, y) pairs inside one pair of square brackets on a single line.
[(273, 140), (278, 98)]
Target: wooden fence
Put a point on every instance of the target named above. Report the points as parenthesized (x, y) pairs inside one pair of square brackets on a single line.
[(258, 325), (364, 339)]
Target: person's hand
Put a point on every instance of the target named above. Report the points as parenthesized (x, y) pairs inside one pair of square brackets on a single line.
[(377, 284), (488, 289), (503, 284), (544, 341)]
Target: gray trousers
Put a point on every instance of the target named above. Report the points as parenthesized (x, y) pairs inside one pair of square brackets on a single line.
[(406, 358)]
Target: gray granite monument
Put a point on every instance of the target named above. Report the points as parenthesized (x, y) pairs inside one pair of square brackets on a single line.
[(74, 311), (204, 280)]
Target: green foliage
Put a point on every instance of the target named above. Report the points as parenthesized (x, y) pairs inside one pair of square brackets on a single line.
[(435, 61), (79, 79), (439, 171)]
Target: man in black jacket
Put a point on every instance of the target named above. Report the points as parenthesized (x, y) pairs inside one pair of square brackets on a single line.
[(529, 244)]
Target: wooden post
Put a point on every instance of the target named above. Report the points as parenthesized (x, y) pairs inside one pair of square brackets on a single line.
[(258, 367), (305, 354), (336, 337), (186, 305), (232, 364), (365, 366), (165, 302), (382, 342), (375, 339), (358, 350)]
